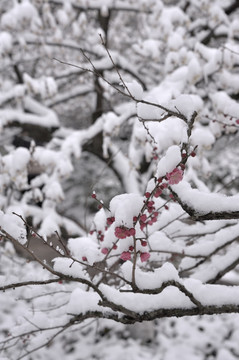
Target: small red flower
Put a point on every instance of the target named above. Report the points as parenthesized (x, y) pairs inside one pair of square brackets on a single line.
[(142, 226), (154, 219), (147, 195), (175, 176), (143, 243), (110, 220), (121, 232), (144, 256), (104, 251), (143, 218), (157, 193), (84, 258), (101, 238), (125, 256), (131, 232)]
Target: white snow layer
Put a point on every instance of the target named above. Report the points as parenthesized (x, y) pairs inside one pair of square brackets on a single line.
[(203, 202), (152, 279), (134, 89), (82, 301), (171, 159), (14, 226), (124, 207)]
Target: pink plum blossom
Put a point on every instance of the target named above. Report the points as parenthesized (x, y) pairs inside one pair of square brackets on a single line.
[(104, 251), (125, 255), (144, 256), (121, 232), (175, 176)]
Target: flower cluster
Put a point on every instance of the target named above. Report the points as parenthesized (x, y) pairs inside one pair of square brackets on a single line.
[(126, 255), (121, 232), (145, 220), (175, 176)]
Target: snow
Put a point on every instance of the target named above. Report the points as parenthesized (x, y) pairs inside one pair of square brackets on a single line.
[(223, 104), (41, 115), (70, 268), (194, 71), (14, 226), (84, 247), (125, 169), (170, 297), (51, 159), (186, 105), (202, 137), (204, 203), (183, 77), (229, 81), (19, 15), (175, 41), (17, 91), (5, 43), (62, 17), (217, 264), (45, 86), (124, 207), (217, 295), (169, 162), (134, 89), (50, 221), (83, 301), (16, 162), (148, 48), (152, 279), (54, 191)]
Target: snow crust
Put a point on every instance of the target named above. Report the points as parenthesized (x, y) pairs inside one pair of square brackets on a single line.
[(152, 279), (170, 297), (169, 162), (84, 247), (213, 294), (124, 207), (186, 105), (14, 226), (70, 268), (83, 301), (204, 203), (5, 43), (134, 89)]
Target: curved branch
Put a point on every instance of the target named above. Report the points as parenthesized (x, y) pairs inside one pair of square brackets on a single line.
[(51, 270), (203, 206), (26, 283)]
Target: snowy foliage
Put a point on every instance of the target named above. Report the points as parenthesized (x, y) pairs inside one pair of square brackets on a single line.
[(147, 91)]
